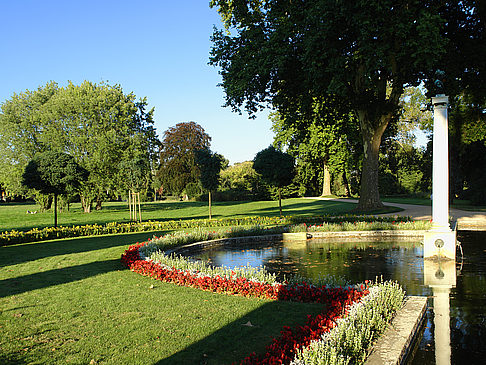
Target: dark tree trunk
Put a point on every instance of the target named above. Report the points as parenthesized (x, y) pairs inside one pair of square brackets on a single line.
[(347, 192), (55, 210), (99, 201), (209, 198), (280, 199), (372, 131)]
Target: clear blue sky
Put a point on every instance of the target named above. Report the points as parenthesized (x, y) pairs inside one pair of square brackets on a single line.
[(158, 49)]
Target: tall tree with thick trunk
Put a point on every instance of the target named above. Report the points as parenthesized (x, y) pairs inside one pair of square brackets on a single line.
[(286, 53)]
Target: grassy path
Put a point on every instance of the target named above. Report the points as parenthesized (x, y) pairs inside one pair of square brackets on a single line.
[(71, 301)]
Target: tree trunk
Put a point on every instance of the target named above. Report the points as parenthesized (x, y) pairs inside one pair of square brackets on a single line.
[(99, 201), (280, 199), (347, 192), (209, 198), (55, 210), (86, 204), (369, 199), (326, 182)]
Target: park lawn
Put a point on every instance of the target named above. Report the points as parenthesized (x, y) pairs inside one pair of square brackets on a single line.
[(15, 216), (72, 301)]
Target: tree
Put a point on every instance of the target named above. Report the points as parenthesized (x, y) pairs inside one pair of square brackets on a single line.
[(21, 123), (287, 53), (276, 167), (241, 182), (98, 124), (210, 165), (103, 129), (54, 173), (177, 155), (322, 145)]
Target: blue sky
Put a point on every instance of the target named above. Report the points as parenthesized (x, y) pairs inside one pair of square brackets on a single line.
[(158, 49)]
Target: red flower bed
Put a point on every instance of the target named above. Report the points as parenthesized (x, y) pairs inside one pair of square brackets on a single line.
[(282, 349)]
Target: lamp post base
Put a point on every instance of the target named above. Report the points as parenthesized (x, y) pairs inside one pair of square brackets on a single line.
[(440, 244)]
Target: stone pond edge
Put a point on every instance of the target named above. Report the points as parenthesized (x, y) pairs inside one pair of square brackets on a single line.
[(417, 235), (393, 347)]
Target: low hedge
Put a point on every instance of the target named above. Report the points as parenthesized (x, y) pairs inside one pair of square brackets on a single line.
[(50, 233)]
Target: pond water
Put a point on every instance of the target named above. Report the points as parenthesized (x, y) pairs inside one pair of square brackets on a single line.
[(455, 333)]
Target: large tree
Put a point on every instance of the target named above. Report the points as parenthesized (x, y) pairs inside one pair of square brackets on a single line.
[(287, 53), (98, 124), (178, 165), (54, 173), (21, 126)]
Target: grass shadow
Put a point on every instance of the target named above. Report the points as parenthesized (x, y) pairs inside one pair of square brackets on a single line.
[(16, 254), (250, 333), (44, 279)]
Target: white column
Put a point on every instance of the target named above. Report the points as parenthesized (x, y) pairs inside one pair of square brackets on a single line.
[(442, 320), (440, 169)]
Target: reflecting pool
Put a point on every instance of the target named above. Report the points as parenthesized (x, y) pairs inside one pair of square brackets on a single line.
[(457, 290)]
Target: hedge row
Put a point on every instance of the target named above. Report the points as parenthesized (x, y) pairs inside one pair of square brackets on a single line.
[(50, 233)]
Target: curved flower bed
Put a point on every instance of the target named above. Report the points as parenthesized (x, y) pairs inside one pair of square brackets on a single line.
[(301, 344)]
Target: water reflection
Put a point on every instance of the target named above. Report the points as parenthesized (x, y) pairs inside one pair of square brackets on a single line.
[(441, 277), (456, 314)]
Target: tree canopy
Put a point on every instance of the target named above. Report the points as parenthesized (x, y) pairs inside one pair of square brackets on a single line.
[(276, 167), (54, 173), (178, 165), (210, 165), (98, 124), (287, 53)]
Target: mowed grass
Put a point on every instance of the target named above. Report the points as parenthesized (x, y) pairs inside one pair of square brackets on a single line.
[(71, 301), (15, 216)]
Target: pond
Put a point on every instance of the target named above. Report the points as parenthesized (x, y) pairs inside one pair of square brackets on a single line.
[(454, 334)]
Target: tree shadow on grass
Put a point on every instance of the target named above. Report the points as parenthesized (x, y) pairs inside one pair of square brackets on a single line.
[(249, 333), (44, 279), (16, 254), (316, 208)]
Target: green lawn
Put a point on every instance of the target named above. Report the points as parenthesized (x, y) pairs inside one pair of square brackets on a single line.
[(15, 216), (71, 301)]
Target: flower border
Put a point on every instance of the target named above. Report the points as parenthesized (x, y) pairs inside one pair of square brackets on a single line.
[(283, 349)]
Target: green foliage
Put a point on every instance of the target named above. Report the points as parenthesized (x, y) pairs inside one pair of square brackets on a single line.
[(54, 173), (288, 53), (210, 165), (104, 129), (177, 156), (276, 167), (241, 182), (404, 169), (21, 119), (325, 144), (193, 190)]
